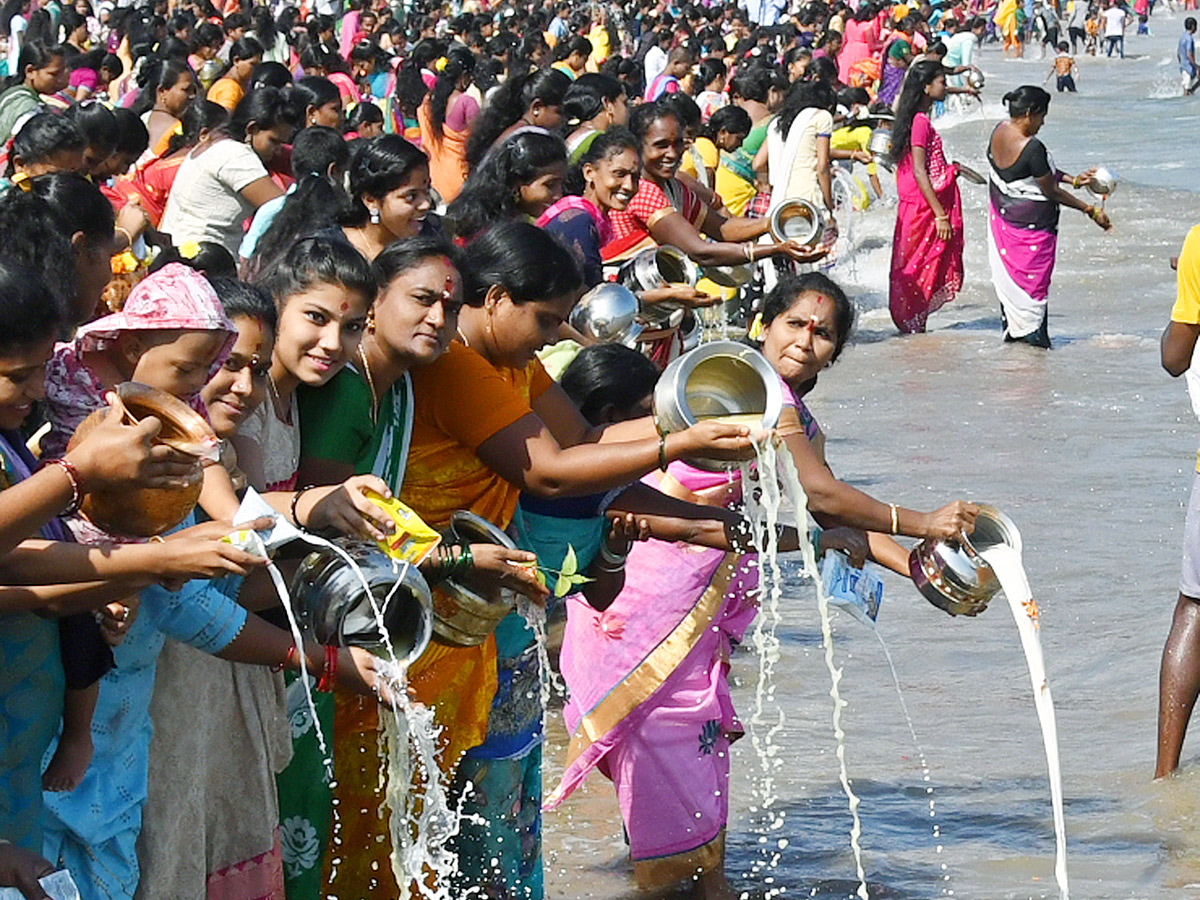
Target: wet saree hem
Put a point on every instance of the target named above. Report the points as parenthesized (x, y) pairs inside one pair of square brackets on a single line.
[(640, 684), (663, 871), (1022, 265), (260, 878)]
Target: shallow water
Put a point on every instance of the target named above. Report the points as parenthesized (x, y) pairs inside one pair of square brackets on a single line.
[(1090, 449)]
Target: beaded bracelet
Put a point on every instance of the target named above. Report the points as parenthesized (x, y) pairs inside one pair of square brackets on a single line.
[(295, 501), (72, 474)]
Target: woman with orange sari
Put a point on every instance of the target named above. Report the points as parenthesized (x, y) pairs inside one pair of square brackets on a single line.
[(445, 117)]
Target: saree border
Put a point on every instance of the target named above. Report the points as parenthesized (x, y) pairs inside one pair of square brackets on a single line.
[(661, 871), (637, 687)]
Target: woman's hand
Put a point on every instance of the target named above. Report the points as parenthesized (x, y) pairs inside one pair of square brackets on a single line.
[(850, 541), (861, 156), (942, 225), (951, 521), (624, 531), (794, 250), (133, 219), (358, 671), (115, 454), (199, 552), (512, 569), (116, 618), (21, 868), (679, 294), (1083, 179), (349, 511), (713, 439), (1100, 217)]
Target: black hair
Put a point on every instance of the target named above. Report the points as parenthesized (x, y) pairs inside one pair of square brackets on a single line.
[(314, 91), (212, 260), (491, 191), (686, 110), (822, 70), (244, 48), (378, 166), (200, 115), (28, 309), (606, 375), (790, 287), (509, 103), (803, 95), (38, 55), (69, 20), (753, 83), (602, 146), (315, 204), (710, 70), (270, 74), (920, 76), (266, 107), (39, 225), (646, 114), (847, 97), (156, 75), (365, 113), (42, 136), (7, 11), (240, 298), (459, 62), (586, 96), (732, 119), (315, 261), (1025, 99), (264, 25), (207, 34), (400, 256), (132, 136), (526, 261), (575, 44)]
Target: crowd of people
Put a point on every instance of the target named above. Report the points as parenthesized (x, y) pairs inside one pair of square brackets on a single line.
[(343, 235)]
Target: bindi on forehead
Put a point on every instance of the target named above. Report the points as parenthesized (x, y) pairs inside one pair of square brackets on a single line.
[(345, 306)]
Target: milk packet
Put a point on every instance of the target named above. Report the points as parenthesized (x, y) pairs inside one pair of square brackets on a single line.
[(857, 591), (58, 885)]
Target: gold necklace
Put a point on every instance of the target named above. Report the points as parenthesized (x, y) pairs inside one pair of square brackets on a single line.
[(362, 356)]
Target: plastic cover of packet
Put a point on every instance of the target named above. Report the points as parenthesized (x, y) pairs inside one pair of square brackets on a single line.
[(255, 507), (412, 540), (58, 885), (857, 591)]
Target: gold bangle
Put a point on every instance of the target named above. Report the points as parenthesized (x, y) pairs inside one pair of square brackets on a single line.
[(895, 518), (750, 251), (157, 539), (125, 231)]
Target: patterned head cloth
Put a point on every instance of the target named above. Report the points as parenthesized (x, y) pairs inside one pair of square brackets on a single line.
[(174, 297)]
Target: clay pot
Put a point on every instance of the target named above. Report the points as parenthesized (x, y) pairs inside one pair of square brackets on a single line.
[(145, 512)]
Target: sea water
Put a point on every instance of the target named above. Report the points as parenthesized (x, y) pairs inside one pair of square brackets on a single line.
[(1091, 447)]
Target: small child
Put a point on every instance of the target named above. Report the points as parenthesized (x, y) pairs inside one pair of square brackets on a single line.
[(1065, 68), (172, 334)]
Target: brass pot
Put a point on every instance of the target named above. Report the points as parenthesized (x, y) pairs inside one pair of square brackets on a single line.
[(145, 512), (952, 575), (465, 610), (330, 601)]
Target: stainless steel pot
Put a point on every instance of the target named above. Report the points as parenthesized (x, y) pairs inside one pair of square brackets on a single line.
[(1102, 183), (330, 601), (952, 575), (657, 267), (879, 145), (976, 80), (465, 610), (717, 380), (608, 314), (729, 276), (797, 220)]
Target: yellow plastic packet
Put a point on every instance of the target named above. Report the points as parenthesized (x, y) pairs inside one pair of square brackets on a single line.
[(412, 540)]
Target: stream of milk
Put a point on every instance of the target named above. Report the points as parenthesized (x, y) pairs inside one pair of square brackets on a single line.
[(1006, 563)]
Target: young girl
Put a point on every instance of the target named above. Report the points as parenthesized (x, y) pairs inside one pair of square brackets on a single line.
[(170, 335)]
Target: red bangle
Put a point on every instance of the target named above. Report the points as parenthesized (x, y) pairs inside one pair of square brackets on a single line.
[(329, 672), (287, 660), (72, 474)]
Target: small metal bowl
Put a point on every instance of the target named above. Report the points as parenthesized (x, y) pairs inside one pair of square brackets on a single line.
[(1103, 183), (797, 220)]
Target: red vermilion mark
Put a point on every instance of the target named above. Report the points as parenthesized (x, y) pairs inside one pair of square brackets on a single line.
[(345, 306)]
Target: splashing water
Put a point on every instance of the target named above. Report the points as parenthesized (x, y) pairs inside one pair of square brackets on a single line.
[(778, 481), (1006, 563)]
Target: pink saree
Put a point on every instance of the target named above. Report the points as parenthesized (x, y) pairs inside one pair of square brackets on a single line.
[(649, 696), (926, 272)]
